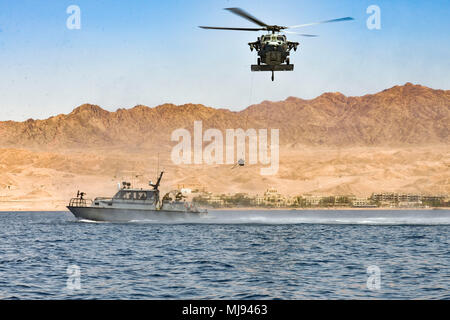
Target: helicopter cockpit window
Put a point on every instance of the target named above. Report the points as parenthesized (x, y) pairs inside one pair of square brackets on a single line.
[(280, 39)]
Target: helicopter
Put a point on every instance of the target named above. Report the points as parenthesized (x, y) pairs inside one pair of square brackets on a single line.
[(273, 48)]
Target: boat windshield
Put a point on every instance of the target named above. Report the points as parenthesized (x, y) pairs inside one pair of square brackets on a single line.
[(134, 195)]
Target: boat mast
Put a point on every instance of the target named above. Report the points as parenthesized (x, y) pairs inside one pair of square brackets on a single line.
[(156, 185), (157, 170)]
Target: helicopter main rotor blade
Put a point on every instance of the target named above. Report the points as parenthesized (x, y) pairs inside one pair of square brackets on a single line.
[(301, 34), (246, 15), (321, 22), (235, 29)]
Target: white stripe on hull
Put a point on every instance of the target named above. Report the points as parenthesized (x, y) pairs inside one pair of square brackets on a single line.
[(127, 215)]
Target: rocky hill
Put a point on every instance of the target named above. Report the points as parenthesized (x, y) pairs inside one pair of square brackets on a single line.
[(406, 115)]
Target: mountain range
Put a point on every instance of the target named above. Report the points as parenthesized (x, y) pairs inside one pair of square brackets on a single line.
[(406, 115), (396, 140)]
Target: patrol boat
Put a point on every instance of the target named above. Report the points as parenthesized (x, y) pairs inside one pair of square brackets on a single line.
[(131, 204)]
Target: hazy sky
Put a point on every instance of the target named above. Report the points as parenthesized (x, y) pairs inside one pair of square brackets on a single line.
[(152, 52)]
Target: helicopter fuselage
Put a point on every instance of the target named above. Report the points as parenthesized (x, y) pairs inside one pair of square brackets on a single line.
[(273, 49)]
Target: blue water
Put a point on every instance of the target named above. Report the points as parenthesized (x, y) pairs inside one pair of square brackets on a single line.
[(228, 255)]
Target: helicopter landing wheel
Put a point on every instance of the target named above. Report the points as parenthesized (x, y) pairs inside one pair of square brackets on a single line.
[(287, 61), (273, 76), (259, 61)]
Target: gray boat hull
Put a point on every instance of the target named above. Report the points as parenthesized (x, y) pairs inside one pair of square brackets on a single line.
[(128, 215)]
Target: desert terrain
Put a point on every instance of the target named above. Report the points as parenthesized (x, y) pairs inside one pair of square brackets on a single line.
[(393, 141)]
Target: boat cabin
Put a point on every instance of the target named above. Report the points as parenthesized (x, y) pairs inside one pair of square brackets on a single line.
[(136, 195)]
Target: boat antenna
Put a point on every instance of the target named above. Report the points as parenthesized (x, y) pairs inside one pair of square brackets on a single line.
[(156, 185), (157, 170)]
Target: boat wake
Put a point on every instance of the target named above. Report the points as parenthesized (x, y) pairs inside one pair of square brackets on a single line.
[(91, 221), (338, 218), (335, 217)]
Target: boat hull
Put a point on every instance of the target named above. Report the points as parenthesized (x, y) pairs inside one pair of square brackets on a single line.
[(127, 215)]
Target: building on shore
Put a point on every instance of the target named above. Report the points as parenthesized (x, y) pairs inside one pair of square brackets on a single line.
[(271, 198), (193, 187), (408, 200), (216, 200), (410, 204), (362, 203), (311, 200)]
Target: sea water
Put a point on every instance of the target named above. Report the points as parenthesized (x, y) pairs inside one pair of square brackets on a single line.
[(329, 254)]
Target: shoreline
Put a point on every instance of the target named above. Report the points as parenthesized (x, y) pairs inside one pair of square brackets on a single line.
[(64, 209), (325, 209)]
